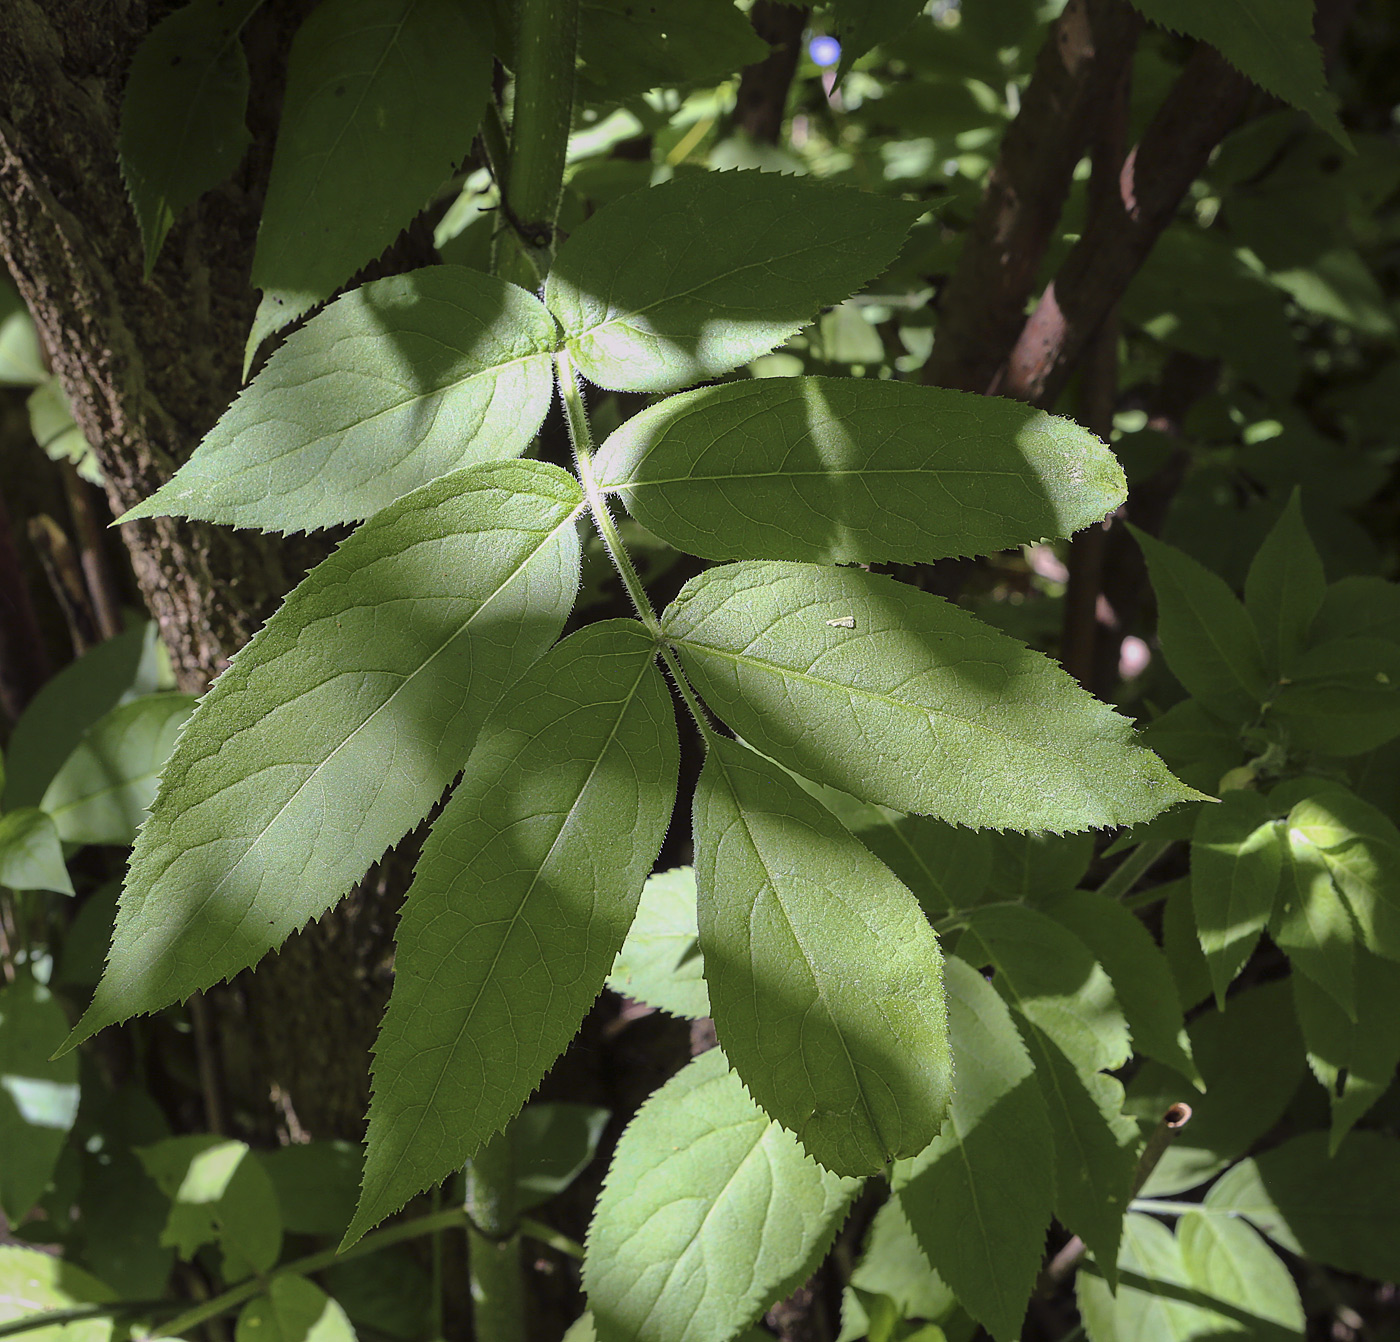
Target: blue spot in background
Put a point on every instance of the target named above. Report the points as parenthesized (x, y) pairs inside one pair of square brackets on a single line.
[(824, 51)]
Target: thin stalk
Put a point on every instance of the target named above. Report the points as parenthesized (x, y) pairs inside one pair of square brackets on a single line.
[(316, 1262), (581, 440), (1132, 869), (493, 1243)]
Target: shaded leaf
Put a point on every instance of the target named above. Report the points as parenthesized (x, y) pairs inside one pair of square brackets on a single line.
[(710, 1213), (979, 1198), (862, 24), (660, 962), (519, 904), (103, 791), (1342, 698), (394, 384), (933, 711), (824, 976), (383, 98), (338, 726), (1358, 607), (1311, 923), (293, 1310), (1285, 587), (38, 1097), (553, 1145), (317, 1184), (182, 128), (690, 279), (847, 470), (31, 856)]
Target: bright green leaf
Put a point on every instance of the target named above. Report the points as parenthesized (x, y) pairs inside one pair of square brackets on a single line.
[(711, 1212), (979, 1198), (660, 962), (1141, 978), (33, 1282), (383, 98), (31, 856), (846, 470), (1285, 587), (1207, 636), (393, 385), (339, 725), (1341, 1210), (898, 697), (1312, 925), (103, 791), (519, 904), (692, 278), (824, 975), (182, 128), (293, 1310), (218, 1193), (38, 1097), (1236, 862), (1226, 1260), (894, 1265), (1269, 41)]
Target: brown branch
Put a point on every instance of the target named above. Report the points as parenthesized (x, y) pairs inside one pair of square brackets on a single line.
[(1204, 104), (761, 103), (92, 553), (983, 308)]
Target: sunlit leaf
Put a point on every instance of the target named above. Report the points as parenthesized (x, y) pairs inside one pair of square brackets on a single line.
[(660, 962)]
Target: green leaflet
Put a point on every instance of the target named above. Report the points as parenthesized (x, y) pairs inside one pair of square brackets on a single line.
[(900, 698), (660, 962), (825, 978), (1141, 978), (1358, 607), (38, 1095), (1208, 639), (32, 1282), (1342, 1209), (1076, 1030), (382, 96), (519, 904), (1312, 925), (339, 725), (102, 792), (1214, 1278), (1285, 587), (862, 24), (1270, 41), (1236, 862), (979, 1197), (895, 1265), (394, 384), (710, 1213), (1354, 1062), (31, 854), (690, 279), (293, 1310), (846, 470), (1361, 849), (1343, 697), (182, 128), (625, 50)]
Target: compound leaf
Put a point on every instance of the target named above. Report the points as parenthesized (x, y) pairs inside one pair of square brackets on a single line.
[(692, 278), (394, 384), (898, 697), (850, 470), (824, 976), (979, 1197), (383, 98), (519, 904), (710, 1213), (337, 727)]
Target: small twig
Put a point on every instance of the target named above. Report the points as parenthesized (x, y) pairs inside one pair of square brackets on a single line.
[(204, 1057), (66, 579), (92, 552), (1132, 869)]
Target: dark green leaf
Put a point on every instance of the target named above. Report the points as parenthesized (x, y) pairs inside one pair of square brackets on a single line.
[(900, 698), (519, 904), (339, 725), (862, 24), (393, 385), (1358, 607), (690, 279), (103, 791), (845, 470), (383, 97), (1341, 1210), (660, 962), (38, 1097), (1285, 587), (824, 975), (316, 1183), (1343, 697), (1207, 636), (711, 1212), (182, 128), (979, 1198), (553, 1144), (293, 1310), (1236, 861)]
